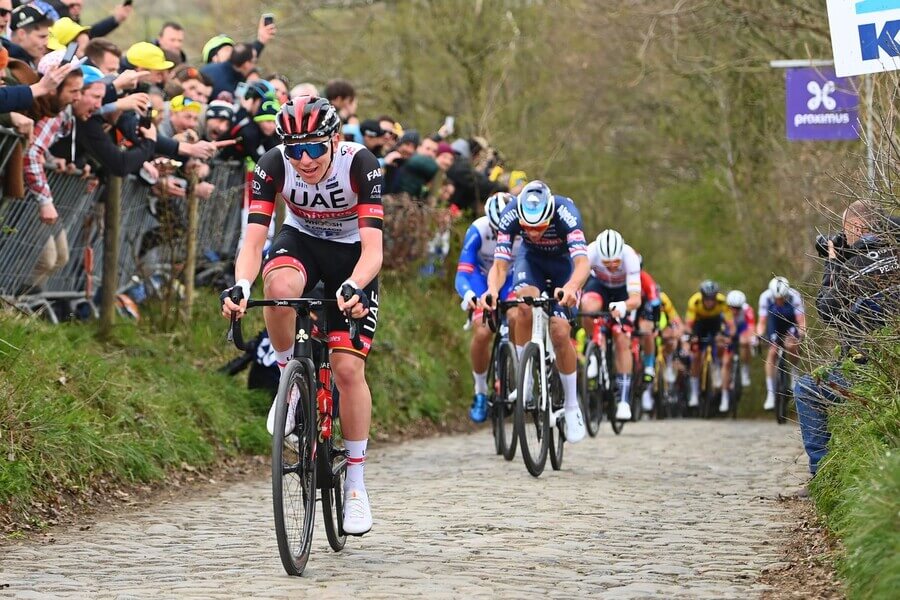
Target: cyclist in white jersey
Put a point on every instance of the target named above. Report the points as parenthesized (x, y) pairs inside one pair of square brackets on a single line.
[(783, 322), (615, 283), (333, 233), (475, 261)]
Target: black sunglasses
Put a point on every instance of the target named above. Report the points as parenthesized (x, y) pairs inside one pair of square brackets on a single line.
[(5, 12)]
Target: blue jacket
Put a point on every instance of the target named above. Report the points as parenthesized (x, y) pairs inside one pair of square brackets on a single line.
[(15, 98), (224, 77)]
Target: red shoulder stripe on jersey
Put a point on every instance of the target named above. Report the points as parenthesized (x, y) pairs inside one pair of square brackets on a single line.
[(465, 268), (372, 211), (261, 206)]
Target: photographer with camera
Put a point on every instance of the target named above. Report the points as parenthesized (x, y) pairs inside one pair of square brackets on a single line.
[(860, 293)]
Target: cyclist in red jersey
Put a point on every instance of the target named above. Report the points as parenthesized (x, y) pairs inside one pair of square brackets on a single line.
[(648, 317)]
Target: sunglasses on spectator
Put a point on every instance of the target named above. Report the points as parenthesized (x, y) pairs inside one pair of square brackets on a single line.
[(5, 12), (314, 150)]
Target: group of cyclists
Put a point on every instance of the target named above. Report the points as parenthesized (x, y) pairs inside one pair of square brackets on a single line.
[(534, 243), (524, 245)]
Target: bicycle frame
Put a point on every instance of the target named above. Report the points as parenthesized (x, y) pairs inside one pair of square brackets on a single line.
[(540, 335)]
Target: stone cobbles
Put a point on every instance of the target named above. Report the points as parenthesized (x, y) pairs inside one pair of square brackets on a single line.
[(673, 509)]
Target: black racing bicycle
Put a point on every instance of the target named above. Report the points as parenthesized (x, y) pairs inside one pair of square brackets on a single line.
[(305, 455)]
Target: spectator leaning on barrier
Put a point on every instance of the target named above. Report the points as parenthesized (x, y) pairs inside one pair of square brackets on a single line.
[(342, 96), (146, 56), (48, 131), (192, 83), (6, 8), (860, 293), (184, 115), (226, 76), (281, 84), (265, 120), (245, 130), (219, 120), (104, 55)]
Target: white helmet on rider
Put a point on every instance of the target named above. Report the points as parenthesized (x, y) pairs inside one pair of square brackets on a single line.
[(536, 204), (610, 245), (736, 299), (779, 287), (494, 206)]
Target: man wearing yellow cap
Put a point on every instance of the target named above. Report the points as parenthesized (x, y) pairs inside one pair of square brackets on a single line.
[(184, 115), (66, 30), (148, 57)]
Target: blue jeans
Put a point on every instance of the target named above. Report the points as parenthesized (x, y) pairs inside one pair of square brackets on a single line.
[(813, 397)]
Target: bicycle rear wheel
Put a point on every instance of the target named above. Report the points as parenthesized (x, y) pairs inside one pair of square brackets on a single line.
[(334, 468), (737, 388), (532, 414), (556, 440), (294, 468), (492, 385), (504, 408), (592, 390)]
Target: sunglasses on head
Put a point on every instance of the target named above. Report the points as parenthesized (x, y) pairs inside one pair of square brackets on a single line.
[(313, 149)]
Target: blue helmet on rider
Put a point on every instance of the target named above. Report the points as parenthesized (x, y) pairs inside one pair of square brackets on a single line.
[(494, 206), (536, 205)]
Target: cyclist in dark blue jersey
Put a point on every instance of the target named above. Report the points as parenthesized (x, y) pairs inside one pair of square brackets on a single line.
[(554, 250)]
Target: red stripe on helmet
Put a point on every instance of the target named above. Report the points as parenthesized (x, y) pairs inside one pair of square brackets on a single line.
[(299, 104), (313, 118)]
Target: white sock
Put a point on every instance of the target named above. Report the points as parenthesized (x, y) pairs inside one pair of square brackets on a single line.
[(770, 385), (282, 358), (570, 387), (356, 462), (695, 386), (480, 382), (745, 370), (520, 350)]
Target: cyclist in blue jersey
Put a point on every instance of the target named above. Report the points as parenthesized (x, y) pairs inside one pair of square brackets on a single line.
[(554, 249), (475, 261)]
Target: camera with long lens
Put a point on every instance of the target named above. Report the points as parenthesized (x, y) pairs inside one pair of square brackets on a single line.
[(840, 244)]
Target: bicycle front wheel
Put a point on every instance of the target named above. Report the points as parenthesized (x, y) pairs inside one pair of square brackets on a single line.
[(504, 408), (294, 466), (532, 411)]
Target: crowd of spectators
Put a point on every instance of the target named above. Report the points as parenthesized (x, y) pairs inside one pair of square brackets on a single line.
[(152, 110)]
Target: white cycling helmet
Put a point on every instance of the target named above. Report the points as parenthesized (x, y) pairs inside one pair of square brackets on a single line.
[(494, 206), (736, 299), (779, 287), (610, 245), (536, 204)]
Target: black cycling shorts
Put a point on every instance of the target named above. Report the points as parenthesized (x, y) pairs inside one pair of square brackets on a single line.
[(708, 328), (331, 263)]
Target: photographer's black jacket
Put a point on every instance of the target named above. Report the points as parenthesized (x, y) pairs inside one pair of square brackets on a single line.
[(861, 288)]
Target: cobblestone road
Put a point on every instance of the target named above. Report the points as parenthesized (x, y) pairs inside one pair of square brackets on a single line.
[(667, 509)]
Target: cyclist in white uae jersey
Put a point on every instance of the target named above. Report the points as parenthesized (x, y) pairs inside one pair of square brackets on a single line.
[(615, 283), (332, 233), (475, 261)]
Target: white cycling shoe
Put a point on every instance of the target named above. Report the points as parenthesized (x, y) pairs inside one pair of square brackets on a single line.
[(694, 401), (289, 422), (724, 403), (647, 401), (357, 512), (623, 411), (745, 377), (575, 430), (770, 401)]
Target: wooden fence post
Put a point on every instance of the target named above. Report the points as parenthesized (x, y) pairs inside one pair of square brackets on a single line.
[(111, 227), (190, 265)]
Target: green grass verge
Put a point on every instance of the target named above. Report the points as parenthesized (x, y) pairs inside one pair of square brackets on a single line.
[(74, 410), (857, 488)]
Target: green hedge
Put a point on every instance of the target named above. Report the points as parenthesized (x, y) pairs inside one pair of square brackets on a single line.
[(857, 488)]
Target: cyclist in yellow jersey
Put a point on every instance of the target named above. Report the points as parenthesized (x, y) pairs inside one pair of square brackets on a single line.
[(708, 316)]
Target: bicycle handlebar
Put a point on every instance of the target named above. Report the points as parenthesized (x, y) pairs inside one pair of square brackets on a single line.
[(236, 335)]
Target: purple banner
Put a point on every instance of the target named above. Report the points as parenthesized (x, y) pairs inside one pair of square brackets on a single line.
[(820, 106)]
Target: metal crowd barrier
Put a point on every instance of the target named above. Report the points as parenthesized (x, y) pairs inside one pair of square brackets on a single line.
[(147, 246)]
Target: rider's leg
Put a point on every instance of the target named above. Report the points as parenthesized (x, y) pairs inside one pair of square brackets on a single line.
[(481, 358), (349, 372), (591, 302), (725, 353), (523, 318), (282, 282), (771, 357), (648, 347), (745, 348), (695, 376), (566, 359), (624, 363)]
